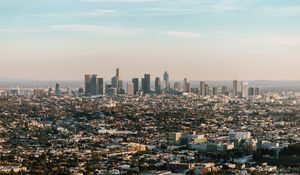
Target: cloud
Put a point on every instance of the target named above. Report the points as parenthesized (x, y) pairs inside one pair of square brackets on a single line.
[(120, 1), (105, 30), (220, 32), (285, 41), (272, 41), (184, 34), (282, 11), (19, 30), (97, 12)]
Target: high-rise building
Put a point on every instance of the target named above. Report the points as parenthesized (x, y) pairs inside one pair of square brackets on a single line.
[(94, 85), (202, 88), (130, 89), (117, 72), (135, 82), (120, 87), (225, 90), (157, 86), (80, 91), (245, 89), (107, 87), (57, 90), (174, 138), (251, 91), (195, 90), (146, 83), (100, 86), (166, 80), (112, 91), (87, 84), (237, 88), (177, 86), (257, 91), (215, 90), (116, 82), (207, 90), (186, 85)]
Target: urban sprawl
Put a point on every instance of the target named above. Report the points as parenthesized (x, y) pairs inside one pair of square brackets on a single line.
[(138, 128)]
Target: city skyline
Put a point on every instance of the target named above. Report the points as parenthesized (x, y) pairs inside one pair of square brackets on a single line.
[(201, 40)]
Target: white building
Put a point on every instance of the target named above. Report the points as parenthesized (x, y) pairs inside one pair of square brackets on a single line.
[(130, 89), (245, 90), (239, 135)]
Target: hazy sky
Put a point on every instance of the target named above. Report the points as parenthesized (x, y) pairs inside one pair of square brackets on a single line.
[(197, 39)]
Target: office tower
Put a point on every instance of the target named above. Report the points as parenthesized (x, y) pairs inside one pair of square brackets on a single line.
[(107, 87), (120, 89), (57, 90), (112, 91), (130, 89), (146, 84), (186, 85), (157, 86), (80, 91), (251, 91), (224, 90), (118, 73), (143, 85), (87, 84), (207, 90), (94, 85), (257, 91), (202, 88), (177, 86), (195, 90), (100, 86), (215, 90), (237, 88), (135, 82), (174, 138), (116, 82), (166, 80), (245, 89)]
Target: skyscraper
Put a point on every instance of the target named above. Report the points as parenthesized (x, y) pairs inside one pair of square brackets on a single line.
[(166, 80), (202, 88), (237, 88), (130, 89), (225, 90), (207, 90), (251, 91), (186, 85), (157, 86), (118, 73), (177, 86), (94, 85), (245, 89), (100, 86), (116, 81), (57, 90), (215, 90), (87, 84), (146, 83), (135, 82), (257, 91)]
